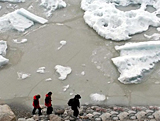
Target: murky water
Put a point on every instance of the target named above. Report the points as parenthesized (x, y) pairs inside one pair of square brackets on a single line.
[(85, 51)]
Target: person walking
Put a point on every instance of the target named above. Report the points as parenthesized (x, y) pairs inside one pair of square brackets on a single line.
[(75, 104), (36, 105), (48, 103)]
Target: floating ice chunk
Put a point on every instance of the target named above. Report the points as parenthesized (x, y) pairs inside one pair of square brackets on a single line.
[(97, 97), (22, 75), (20, 42), (14, 1), (136, 59), (0, 7), (111, 23), (3, 47), (3, 61), (31, 16), (71, 93), (83, 73), (63, 71), (49, 79), (62, 44), (158, 29), (41, 70), (65, 87), (155, 36), (19, 20), (52, 5)]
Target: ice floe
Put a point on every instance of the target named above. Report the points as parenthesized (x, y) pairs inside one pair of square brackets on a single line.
[(14, 1), (111, 23), (52, 5), (20, 42), (65, 87), (136, 59), (3, 48), (155, 36), (49, 79), (62, 43), (63, 71), (97, 97), (22, 75), (158, 29), (19, 20), (41, 70)]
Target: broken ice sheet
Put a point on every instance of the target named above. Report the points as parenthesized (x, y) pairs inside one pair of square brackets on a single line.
[(136, 59), (22, 75)]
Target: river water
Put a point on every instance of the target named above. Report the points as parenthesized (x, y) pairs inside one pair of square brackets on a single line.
[(85, 51)]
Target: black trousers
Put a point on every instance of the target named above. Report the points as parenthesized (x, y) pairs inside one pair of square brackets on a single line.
[(49, 110), (39, 111), (76, 112)]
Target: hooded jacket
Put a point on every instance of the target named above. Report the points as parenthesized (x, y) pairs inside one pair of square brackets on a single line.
[(48, 101), (36, 102)]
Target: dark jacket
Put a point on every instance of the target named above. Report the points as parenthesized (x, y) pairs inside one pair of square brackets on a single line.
[(36, 102), (75, 103), (48, 101)]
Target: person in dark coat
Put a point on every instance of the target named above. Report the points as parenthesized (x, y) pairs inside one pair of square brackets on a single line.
[(36, 105), (75, 104), (48, 103)]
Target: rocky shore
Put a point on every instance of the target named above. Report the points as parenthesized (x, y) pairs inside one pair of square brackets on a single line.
[(99, 113)]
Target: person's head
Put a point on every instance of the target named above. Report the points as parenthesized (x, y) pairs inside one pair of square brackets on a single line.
[(38, 96), (77, 96), (50, 93)]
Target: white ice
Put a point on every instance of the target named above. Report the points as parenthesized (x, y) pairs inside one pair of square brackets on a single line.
[(63, 71), (3, 61), (136, 59), (155, 36), (22, 75), (20, 42), (65, 87), (97, 97), (14, 1), (48, 79), (62, 43), (52, 5), (158, 29), (111, 23), (41, 70), (3, 48), (19, 20)]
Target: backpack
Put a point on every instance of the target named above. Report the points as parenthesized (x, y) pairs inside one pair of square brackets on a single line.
[(70, 102)]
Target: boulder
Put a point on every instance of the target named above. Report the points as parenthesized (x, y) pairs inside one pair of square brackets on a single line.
[(54, 117), (6, 113)]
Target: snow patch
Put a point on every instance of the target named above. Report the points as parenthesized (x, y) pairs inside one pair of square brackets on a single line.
[(97, 97), (63, 71), (136, 59)]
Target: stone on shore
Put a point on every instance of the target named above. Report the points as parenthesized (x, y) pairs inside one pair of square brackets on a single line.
[(6, 113)]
